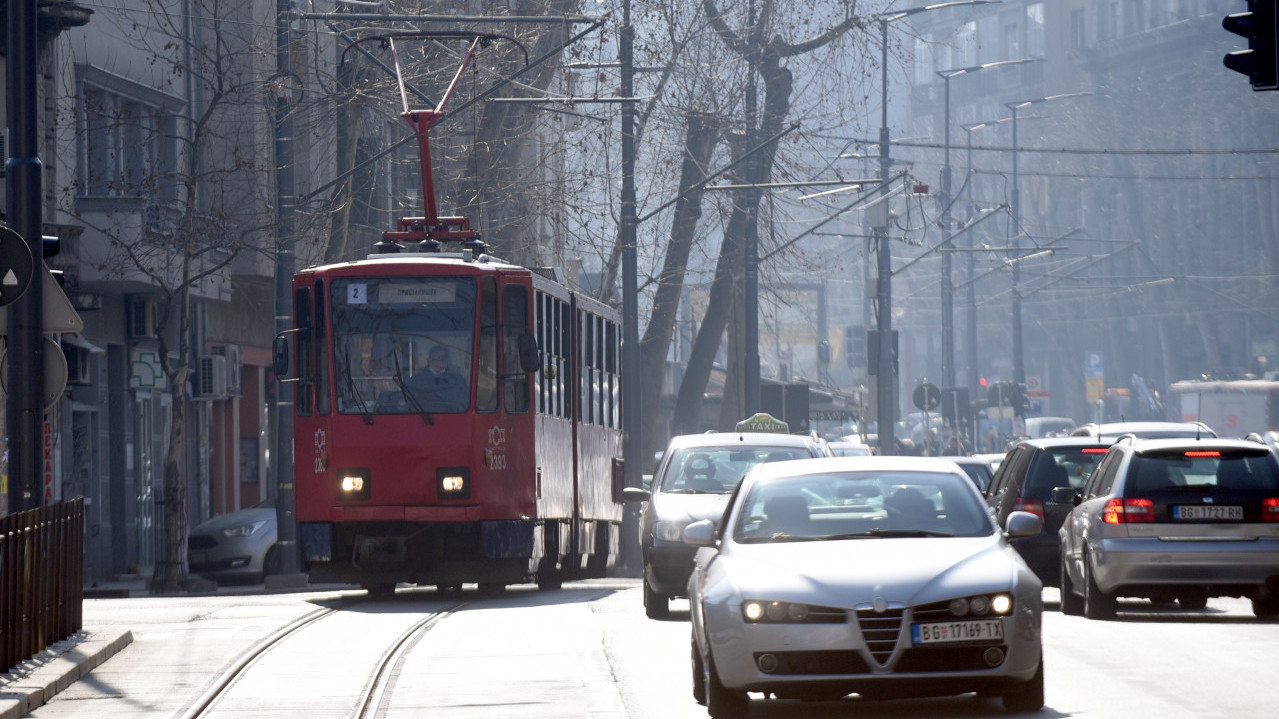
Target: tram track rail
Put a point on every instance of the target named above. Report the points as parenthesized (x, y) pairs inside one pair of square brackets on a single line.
[(381, 678)]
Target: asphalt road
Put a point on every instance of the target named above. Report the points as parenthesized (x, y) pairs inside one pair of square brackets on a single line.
[(588, 651)]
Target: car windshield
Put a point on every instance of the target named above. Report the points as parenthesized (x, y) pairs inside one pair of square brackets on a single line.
[(403, 345), (860, 505), (716, 470), (1061, 467)]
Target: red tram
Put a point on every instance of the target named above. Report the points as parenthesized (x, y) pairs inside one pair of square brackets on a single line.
[(457, 419), (499, 468)]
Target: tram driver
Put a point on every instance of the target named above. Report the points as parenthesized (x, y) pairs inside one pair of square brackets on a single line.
[(438, 386)]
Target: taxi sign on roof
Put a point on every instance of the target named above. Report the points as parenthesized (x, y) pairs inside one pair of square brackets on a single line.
[(763, 422)]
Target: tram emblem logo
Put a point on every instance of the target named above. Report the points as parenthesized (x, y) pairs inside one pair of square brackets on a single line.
[(497, 436)]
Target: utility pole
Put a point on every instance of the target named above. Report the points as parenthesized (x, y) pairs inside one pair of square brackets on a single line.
[(24, 414), (285, 99), (886, 381), (631, 394), (750, 330)]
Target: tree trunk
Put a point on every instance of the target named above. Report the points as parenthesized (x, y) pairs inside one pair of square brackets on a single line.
[(699, 142), (728, 272)]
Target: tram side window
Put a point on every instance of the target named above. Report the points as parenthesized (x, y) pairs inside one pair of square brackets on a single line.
[(600, 376), (514, 326), (610, 368), (305, 345), (323, 400), (584, 358), (539, 323), (567, 409), (486, 382)]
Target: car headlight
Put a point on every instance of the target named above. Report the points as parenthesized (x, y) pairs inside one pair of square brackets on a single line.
[(756, 611), (981, 605), (244, 530), (669, 531)]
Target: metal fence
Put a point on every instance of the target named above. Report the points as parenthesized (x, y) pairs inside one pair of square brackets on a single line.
[(41, 579)]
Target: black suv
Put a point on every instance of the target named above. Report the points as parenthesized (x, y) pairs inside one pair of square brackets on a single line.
[(1025, 481)]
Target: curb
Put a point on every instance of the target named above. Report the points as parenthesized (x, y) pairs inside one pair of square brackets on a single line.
[(32, 683)]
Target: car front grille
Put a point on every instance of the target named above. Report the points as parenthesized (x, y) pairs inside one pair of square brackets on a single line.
[(880, 631), (843, 661), (201, 542), (942, 659)]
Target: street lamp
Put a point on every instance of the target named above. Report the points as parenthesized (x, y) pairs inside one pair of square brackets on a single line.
[(947, 291), (1019, 362), (886, 382)]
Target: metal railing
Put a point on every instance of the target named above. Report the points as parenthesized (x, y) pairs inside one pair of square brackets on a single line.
[(41, 579)]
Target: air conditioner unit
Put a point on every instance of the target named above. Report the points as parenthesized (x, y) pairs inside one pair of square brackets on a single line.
[(234, 369), (141, 319), (210, 380)]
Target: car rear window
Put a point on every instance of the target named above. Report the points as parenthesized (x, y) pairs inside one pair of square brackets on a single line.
[(1227, 470), (1061, 467)]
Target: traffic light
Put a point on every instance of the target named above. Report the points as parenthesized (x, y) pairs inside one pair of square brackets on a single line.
[(1260, 62), (50, 246)]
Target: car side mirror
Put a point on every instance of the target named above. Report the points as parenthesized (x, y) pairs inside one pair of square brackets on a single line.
[(635, 494), (700, 533), (1023, 524), (1065, 495)]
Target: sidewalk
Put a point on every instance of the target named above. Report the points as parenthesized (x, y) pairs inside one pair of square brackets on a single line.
[(35, 681)]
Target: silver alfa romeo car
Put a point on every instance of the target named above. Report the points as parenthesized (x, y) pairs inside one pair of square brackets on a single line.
[(880, 576)]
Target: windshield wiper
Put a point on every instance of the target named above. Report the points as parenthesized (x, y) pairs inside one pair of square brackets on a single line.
[(365, 412), (891, 533), (408, 394)]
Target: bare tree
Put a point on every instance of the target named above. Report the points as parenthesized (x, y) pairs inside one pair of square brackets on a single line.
[(765, 56), (198, 169)]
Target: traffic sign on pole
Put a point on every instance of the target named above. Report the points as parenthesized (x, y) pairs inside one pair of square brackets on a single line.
[(15, 266)]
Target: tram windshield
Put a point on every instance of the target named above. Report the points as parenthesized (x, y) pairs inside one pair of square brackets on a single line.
[(403, 345)]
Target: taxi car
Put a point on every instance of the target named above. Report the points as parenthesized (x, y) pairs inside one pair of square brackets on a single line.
[(1173, 519), (696, 475), (806, 591)]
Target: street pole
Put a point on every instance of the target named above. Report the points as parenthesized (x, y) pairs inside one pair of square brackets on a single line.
[(947, 290), (285, 198), (633, 445), (886, 381), (971, 320), (24, 415), (750, 330), (1014, 226)]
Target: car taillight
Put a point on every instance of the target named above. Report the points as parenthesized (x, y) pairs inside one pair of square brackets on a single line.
[(1034, 506), (1128, 511), (1270, 509)]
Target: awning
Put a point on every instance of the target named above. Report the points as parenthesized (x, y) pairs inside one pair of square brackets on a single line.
[(76, 340)]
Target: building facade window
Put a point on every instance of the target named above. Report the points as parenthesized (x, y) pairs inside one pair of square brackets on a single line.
[(1034, 31), (127, 147), (1078, 29)]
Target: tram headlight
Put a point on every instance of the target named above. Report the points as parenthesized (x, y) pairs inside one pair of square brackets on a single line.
[(353, 483), (453, 483)]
